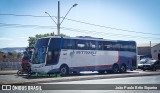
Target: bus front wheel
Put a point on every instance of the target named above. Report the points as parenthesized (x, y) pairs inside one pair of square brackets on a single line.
[(64, 71)]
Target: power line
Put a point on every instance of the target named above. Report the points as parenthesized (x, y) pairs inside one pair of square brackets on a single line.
[(24, 15), (26, 26), (72, 29), (85, 23), (109, 27), (104, 33)]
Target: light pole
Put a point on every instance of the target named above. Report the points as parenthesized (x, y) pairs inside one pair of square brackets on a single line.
[(58, 18)]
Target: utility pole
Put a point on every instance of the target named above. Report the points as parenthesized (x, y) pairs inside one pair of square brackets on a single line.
[(151, 48), (58, 20), (58, 17)]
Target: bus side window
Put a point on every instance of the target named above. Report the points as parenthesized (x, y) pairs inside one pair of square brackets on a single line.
[(92, 45), (72, 44), (107, 45), (68, 44), (124, 46), (99, 45), (81, 44)]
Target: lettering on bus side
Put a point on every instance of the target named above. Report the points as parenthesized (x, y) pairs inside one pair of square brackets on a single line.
[(93, 53)]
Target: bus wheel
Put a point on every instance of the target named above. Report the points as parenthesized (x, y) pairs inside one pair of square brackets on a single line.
[(123, 68), (144, 69), (101, 71), (115, 68), (154, 69), (64, 71)]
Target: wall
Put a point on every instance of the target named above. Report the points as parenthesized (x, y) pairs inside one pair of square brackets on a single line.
[(10, 65), (155, 51)]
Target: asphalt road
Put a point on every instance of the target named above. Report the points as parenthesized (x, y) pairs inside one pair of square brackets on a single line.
[(127, 80), (13, 78), (124, 80)]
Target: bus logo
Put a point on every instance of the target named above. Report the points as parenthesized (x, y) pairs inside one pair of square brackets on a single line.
[(72, 54)]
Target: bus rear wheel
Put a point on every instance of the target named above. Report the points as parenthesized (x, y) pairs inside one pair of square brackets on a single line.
[(115, 68), (123, 68), (154, 69), (64, 71)]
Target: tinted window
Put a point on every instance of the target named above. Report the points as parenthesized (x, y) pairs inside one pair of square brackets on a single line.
[(54, 44), (53, 51), (99, 45), (42, 42), (92, 45), (107, 45), (132, 46), (124, 46), (68, 44), (82, 44)]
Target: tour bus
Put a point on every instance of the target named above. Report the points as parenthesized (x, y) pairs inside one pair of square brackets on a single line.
[(66, 55)]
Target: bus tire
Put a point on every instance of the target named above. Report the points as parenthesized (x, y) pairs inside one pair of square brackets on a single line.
[(144, 69), (101, 71), (115, 68), (154, 68), (64, 70), (123, 68)]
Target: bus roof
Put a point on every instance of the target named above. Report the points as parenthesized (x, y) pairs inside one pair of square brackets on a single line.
[(87, 38)]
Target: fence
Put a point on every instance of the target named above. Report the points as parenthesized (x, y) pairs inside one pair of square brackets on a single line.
[(10, 65)]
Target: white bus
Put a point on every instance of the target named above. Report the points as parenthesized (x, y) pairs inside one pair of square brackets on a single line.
[(65, 55)]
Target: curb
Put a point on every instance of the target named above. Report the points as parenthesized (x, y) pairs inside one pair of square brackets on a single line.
[(5, 72)]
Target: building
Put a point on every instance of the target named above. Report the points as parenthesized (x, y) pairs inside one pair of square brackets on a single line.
[(155, 51), (144, 49)]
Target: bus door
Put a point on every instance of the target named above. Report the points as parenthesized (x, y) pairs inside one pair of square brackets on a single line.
[(53, 53)]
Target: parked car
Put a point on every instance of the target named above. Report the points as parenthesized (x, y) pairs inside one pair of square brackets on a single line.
[(149, 64), (142, 61)]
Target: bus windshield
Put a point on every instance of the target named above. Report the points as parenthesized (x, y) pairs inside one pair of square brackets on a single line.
[(40, 51)]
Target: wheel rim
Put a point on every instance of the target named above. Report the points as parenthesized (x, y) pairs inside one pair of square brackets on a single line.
[(63, 70), (115, 69), (123, 68)]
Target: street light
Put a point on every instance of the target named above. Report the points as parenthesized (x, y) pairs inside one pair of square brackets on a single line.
[(51, 17), (58, 18), (68, 12)]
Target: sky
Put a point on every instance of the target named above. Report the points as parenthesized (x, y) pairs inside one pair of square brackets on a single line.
[(136, 20)]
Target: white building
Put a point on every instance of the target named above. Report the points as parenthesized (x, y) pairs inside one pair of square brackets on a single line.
[(155, 51)]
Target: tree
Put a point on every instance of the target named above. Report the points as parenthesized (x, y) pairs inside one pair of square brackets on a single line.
[(32, 40)]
